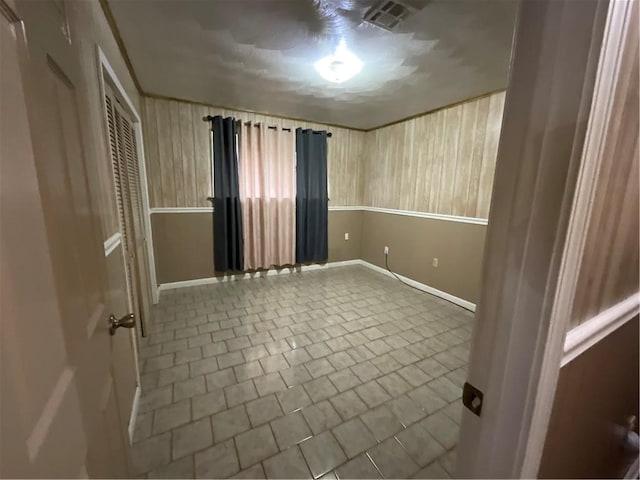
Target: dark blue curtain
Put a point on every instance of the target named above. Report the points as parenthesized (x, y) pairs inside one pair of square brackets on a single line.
[(227, 217), (312, 200)]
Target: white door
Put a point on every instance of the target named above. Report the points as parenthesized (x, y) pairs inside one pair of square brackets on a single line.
[(67, 383), (554, 63)]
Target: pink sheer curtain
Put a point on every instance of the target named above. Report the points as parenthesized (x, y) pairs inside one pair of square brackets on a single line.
[(268, 196)]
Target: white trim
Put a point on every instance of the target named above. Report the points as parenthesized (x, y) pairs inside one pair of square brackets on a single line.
[(587, 334), (407, 213), (306, 268), (551, 348), (134, 413), (434, 216), (111, 243), (181, 210), (425, 288), (107, 70), (106, 66)]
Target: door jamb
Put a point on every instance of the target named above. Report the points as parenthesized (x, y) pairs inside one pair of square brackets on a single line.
[(619, 18)]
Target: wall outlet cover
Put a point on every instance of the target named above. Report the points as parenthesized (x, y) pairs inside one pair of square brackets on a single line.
[(386, 250), (435, 262), (346, 236)]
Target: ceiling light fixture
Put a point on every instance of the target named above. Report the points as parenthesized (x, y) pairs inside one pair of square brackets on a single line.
[(339, 67)]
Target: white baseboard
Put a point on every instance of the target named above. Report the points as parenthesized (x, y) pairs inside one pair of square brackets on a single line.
[(261, 274), (425, 288), (134, 413), (587, 334), (306, 268)]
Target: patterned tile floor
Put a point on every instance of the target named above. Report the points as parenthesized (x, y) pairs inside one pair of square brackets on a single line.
[(334, 373)]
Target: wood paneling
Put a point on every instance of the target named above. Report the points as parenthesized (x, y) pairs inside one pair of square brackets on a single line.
[(609, 270), (442, 162), (178, 153)]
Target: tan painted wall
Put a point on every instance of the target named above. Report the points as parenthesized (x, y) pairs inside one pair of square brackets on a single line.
[(413, 243), (442, 162), (178, 153), (596, 392), (183, 243)]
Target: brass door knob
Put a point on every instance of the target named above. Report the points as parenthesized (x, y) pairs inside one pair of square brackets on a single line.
[(128, 321)]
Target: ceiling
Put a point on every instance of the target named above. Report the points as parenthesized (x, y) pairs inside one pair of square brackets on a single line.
[(258, 55)]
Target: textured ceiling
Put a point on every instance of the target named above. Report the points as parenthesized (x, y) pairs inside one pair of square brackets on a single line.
[(258, 55)]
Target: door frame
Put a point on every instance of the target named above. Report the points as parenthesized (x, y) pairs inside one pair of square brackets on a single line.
[(532, 346), (560, 346), (105, 70)]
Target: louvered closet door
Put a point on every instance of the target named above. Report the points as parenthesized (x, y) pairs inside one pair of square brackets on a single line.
[(137, 237), (122, 158)]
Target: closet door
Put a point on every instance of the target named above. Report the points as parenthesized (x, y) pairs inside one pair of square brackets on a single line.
[(123, 161)]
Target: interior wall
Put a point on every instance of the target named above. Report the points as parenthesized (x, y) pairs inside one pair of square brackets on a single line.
[(183, 243), (178, 153), (596, 392), (442, 162), (413, 244)]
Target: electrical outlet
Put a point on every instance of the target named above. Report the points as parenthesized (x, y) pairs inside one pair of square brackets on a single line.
[(346, 236), (435, 262), (386, 250)]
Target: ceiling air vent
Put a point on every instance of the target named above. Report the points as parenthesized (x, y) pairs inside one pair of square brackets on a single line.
[(388, 14)]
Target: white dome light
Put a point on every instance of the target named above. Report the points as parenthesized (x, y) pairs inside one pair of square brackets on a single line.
[(339, 67)]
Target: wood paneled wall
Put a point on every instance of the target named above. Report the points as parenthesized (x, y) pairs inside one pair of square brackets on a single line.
[(609, 270), (441, 162), (178, 154)]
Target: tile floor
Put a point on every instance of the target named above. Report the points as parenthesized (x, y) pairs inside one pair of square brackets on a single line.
[(340, 373)]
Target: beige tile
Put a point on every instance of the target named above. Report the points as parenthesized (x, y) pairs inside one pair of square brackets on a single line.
[(191, 438), (151, 453), (381, 422), (348, 404), (392, 460), (208, 404), (290, 430), (182, 468), (229, 423), (220, 461), (220, 379), (320, 389), (248, 370), (171, 416), (344, 379), (372, 394), (287, 464), (359, 467), (273, 363), (255, 445), (323, 453), (318, 368), (254, 472), (321, 416), (354, 437), (420, 445), (263, 410), (442, 428), (240, 393), (189, 388), (293, 399), (295, 375), (230, 359)]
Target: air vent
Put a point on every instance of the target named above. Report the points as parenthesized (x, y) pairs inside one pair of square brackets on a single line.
[(388, 14)]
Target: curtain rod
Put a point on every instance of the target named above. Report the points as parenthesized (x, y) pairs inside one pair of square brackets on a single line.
[(209, 118)]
